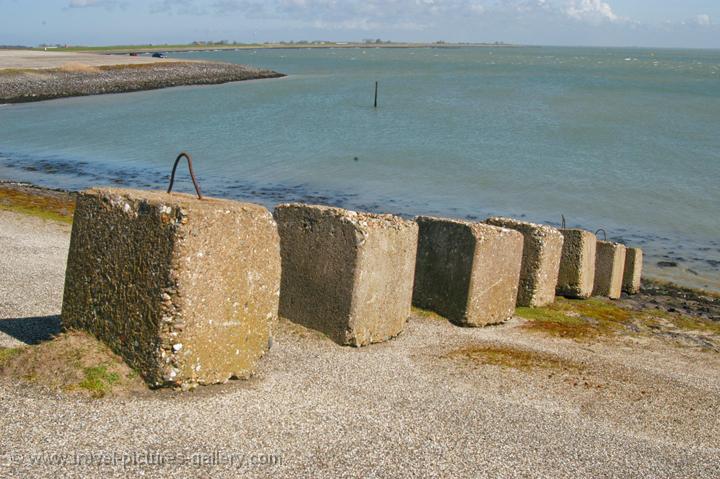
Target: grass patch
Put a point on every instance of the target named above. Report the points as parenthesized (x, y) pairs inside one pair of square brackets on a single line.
[(511, 357), (6, 354), (45, 204), (98, 380), (75, 363)]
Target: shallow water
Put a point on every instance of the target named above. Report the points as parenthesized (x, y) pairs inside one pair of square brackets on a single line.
[(622, 139)]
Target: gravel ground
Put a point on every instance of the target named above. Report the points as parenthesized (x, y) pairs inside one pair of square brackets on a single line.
[(632, 407), (80, 80)]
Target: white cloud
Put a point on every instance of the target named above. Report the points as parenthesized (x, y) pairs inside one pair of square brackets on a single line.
[(703, 20), (591, 10), (398, 14), (82, 3), (108, 4)]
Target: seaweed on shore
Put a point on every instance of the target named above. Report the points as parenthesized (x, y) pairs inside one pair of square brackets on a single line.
[(39, 202)]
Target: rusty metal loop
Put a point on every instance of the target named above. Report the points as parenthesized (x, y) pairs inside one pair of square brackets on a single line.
[(563, 221), (604, 233), (192, 174)]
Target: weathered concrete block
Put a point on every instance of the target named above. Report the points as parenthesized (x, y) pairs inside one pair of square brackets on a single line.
[(542, 250), (183, 289), (633, 270), (467, 272), (346, 274), (609, 267), (577, 265)]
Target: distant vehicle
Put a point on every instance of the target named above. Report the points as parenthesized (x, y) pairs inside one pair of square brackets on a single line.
[(158, 55), (134, 54)]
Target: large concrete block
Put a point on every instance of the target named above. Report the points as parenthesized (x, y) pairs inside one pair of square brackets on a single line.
[(467, 272), (183, 289), (346, 274), (577, 265), (609, 268), (633, 270), (542, 251)]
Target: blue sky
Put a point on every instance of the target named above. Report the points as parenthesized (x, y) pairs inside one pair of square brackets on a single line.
[(656, 23)]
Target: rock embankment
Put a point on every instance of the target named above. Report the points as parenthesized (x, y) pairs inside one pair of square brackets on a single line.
[(18, 86)]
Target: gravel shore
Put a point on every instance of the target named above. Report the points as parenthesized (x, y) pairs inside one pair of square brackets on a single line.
[(417, 406), (26, 85)]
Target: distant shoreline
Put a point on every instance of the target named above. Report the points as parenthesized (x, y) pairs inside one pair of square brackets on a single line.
[(180, 48), (85, 74)]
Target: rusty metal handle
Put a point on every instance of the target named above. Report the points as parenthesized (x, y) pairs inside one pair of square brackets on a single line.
[(192, 174), (604, 233)]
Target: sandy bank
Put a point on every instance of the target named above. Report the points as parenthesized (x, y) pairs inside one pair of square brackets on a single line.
[(31, 59), (26, 77)]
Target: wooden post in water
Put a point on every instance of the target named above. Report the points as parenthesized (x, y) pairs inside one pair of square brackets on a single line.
[(376, 91)]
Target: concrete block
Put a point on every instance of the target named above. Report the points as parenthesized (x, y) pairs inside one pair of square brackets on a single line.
[(609, 268), (346, 274), (633, 270), (542, 251), (467, 272), (577, 265), (185, 290)]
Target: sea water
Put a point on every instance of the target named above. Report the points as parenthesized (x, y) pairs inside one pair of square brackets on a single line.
[(627, 140)]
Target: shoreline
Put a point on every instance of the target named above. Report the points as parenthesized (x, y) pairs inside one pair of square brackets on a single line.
[(31, 86), (53, 76), (126, 49), (58, 204), (687, 261)]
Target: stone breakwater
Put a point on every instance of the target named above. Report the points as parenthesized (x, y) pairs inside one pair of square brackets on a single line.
[(25, 85), (187, 289)]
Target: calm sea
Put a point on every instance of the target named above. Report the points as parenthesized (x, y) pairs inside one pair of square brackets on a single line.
[(627, 140)]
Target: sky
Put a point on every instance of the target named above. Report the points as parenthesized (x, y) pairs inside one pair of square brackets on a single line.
[(645, 23)]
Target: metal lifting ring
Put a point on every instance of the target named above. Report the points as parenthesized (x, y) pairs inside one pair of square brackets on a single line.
[(192, 174), (604, 233)]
